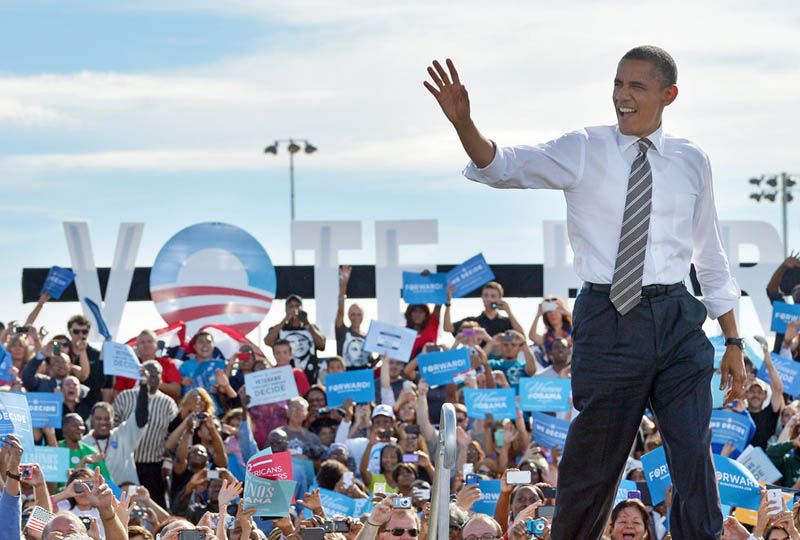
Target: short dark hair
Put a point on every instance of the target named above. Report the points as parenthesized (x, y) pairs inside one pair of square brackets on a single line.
[(638, 506), (282, 342), (661, 60), (78, 319)]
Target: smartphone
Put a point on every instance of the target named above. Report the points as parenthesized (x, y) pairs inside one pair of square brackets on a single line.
[(244, 356), (379, 488), (548, 492), (498, 437), (774, 501), (328, 526), (535, 526), (545, 512), (518, 477), (341, 526), (132, 490), (323, 410), (469, 332), (548, 306), (212, 475), (471, 479), (422, 494), (192, 535), (56, 348), (303, 316), (25, 473), (385, 434), (312, 533), (469, 468), (201, 416), (410, 458), (139, 513), (22, 329), (347, 479), (635, 494), (401, 503), (412, 429), (507, 338)]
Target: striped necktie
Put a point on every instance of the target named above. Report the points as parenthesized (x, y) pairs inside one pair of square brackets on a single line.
[(626, 287)]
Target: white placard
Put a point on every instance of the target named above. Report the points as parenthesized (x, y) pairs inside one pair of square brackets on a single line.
[(270, 385), (393, 341), (758, 463), (120, 359)]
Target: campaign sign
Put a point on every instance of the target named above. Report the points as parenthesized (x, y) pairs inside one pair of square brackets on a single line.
[(102, 328), (393, 341), (549, 431), (6, 363), (57, 281), (358, 385), (270, 385), (789, 372), (424, 289), (270, 498), (656, 474), (499, 402), (731, 427), (622, 491), (469, 275), (759, 464), (754, 351), (490, 493), (277, 466), (440, 368), (717, 395), (783, 314), (16, 418), (335, 504), (737, 486), (544, 394), (54, 462), (120, 359), (45, 408)]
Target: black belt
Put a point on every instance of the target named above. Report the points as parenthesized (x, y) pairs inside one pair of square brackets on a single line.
[(648, 291)]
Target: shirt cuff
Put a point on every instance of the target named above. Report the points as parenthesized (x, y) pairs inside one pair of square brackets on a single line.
[(492, 172), (723, 299)]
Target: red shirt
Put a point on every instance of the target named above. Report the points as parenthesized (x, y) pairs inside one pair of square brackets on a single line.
[(427, 335), (169, 374)]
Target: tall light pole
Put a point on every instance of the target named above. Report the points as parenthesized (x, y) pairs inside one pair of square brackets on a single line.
[(292, 147), (786, 182)]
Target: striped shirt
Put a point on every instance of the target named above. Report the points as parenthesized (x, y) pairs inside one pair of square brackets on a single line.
[(162, 410)]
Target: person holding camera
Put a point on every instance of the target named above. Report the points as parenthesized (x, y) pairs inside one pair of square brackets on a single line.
[(510, 344), (58, 368), (306, 338), (392, 519), (490, 318), (555, 314)]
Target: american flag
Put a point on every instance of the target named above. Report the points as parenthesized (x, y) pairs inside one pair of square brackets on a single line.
[(38, 519)]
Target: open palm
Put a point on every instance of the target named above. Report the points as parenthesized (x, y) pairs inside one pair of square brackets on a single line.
[(449, 92)]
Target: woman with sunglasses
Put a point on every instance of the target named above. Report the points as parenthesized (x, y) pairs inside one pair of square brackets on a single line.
[(557, 322), (389, 523)]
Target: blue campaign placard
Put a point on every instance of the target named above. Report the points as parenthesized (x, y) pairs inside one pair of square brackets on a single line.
[(335, 504), (499, 402), (624, 488), (45, 408), (737, 486), (424, 289), (754, 351), (549, 431), (271, 498), (102, 329), (469, 275), (656, 474), (57, 281), (440, 368), (730, 427), (782, 314), (6, 363), (358, 385), (490, 493), (789, 372), (717, 395), (54, 462), (16, 418), (544, 394)]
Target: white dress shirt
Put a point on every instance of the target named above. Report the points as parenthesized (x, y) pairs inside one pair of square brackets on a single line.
[(592, 166)]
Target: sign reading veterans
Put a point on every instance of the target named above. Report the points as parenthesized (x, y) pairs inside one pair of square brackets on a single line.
[(358, 385), (270, 498), (440, 368), (499, 402), (16, 418), (54, 462), (277, 466), (270, 385), (544, 394), (549, 431), (424, 289), (394, 341), (789, 372), (57, 281), (45, 409), (730, 427), (120, 359), (490, 494), (469, 275), (783, 314), (656, 474), (759, 465)]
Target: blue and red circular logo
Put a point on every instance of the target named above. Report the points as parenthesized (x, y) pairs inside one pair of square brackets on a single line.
[(213, 273)]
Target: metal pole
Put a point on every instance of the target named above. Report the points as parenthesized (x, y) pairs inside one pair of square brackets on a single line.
[(784, 202), (438, 528), (291, 196)]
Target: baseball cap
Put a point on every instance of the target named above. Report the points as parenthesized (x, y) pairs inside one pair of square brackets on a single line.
[(383, 410), (294, 297)]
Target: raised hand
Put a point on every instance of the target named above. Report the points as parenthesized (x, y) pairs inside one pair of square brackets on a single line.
[(228, 493), (792, 261), (449, 92), (100, 495)]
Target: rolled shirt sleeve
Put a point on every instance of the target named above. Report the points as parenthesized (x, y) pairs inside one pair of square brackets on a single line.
[(557, 164), (720, 291)]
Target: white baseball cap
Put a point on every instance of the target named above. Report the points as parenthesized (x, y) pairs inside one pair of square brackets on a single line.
[(383, 410)]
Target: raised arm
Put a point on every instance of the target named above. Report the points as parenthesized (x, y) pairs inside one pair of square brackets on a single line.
[(447, 323), (535, 336), (344, 279), (36, 309), (453, 99), (774, 285)]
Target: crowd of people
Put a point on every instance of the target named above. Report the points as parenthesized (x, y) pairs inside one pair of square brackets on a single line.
[(165, 456)]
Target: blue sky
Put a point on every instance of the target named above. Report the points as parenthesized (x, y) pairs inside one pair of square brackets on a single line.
[(158, 111)]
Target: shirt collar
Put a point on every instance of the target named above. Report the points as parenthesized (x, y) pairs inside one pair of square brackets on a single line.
[(626, 141)]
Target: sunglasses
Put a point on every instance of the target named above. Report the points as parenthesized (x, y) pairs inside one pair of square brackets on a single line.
[(81, 331), (398, 531)]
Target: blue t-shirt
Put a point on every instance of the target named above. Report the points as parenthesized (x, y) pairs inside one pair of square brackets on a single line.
[(512, 369)]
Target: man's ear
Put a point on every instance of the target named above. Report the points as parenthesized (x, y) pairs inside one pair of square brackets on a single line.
[(670, 94)]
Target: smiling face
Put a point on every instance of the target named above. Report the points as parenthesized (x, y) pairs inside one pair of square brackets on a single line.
[(70, 389), (640, 97), (146, 346), (204, 347), (629, 525), (102, 422), (356, 315), (73, 428)]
